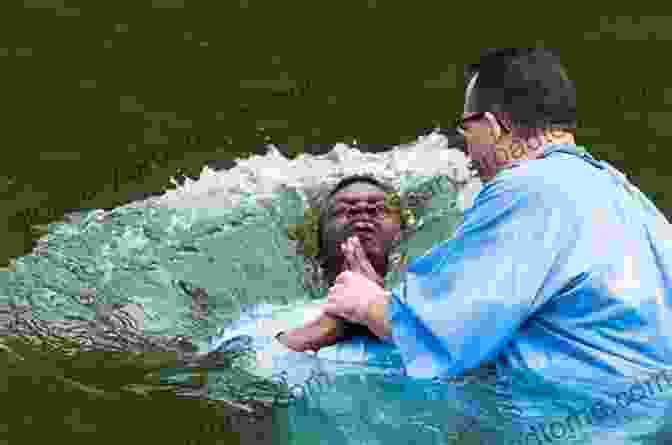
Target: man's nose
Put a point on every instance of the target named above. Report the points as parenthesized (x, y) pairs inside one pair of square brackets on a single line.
[(363, 207)]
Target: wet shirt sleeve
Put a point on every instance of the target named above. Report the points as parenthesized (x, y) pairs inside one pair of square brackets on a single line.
[(463, 301)]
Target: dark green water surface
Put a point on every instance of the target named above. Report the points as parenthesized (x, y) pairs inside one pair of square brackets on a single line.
[(103, 101)]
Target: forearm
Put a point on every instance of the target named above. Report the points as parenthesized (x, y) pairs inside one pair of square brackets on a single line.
[(331, 327), (324, 331)]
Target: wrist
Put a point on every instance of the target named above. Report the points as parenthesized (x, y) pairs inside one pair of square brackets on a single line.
[(376, 317)]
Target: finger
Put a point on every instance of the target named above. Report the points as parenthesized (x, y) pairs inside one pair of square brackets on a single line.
[(358, 249), (335, 288), (342, 277), (347, 261), (355, 250), (360, 255), (351, 258), (354, 245), (350, 262), (355, 265), (345, 247), (359, 262), (331, 309), (337, 311), (362, 259)]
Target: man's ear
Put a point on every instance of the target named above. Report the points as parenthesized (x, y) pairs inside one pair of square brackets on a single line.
[(495, 129)]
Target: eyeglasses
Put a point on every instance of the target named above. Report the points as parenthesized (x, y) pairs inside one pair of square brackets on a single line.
[(378, 210), (460, 121)]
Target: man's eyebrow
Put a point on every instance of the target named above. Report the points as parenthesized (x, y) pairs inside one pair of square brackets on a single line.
[(369, 197)]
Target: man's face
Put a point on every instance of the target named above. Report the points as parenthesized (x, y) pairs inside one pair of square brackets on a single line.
[(360, 207)]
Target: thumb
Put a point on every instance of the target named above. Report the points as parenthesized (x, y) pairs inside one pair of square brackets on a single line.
[(360, 255), (330, 309), (355, 263), (347, 263)]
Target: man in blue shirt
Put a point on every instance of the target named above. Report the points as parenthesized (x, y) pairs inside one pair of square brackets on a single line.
[(561, 269)]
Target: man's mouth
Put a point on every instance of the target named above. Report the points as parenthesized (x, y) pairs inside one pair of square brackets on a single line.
[(364, 230), (363, 226), (364, 235)]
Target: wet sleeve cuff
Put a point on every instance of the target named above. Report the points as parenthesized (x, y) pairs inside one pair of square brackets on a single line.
[(392, 314)]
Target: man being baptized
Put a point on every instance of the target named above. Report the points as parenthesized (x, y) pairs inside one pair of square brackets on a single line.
[(354, 212)]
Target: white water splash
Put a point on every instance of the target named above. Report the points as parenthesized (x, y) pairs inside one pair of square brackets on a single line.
[(259, 177)]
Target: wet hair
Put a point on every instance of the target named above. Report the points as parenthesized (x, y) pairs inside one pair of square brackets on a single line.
[(352, 179), (530, 84)]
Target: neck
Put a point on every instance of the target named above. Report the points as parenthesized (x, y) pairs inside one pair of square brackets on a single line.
[(526, 145), (535, 139)]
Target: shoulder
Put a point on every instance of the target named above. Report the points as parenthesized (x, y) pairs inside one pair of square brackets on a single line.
[(559, 174), (554, 183), (511, 185)]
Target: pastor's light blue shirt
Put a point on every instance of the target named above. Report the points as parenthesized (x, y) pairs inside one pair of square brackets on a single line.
[(560, 269)]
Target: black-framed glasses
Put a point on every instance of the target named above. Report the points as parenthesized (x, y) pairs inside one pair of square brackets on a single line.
[(460, 121)]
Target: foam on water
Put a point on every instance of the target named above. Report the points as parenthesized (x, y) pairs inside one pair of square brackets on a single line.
[(259, 177)]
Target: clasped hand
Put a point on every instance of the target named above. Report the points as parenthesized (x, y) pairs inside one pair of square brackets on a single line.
[(354, 292), (354, 297)]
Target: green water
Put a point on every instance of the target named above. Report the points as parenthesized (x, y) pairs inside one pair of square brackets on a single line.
[(104, 102), (134, 255)]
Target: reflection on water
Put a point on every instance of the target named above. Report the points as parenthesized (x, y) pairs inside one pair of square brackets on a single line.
[(208, 256)]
